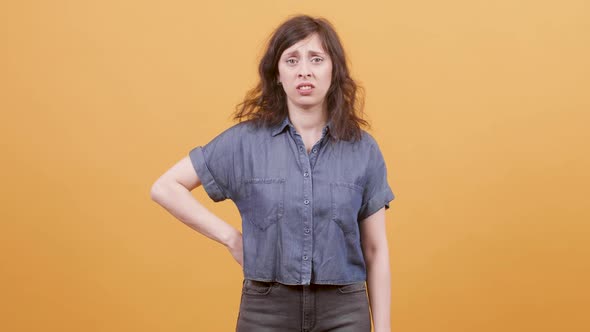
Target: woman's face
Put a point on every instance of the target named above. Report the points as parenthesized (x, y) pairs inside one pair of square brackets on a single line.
[(305, 73)]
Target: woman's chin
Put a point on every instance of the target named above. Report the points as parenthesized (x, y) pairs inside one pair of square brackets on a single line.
[(306, 104)]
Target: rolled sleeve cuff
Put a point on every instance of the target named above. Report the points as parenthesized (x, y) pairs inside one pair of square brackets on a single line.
[(198, 160), (378, 201)]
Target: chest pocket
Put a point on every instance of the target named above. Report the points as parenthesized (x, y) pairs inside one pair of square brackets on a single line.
[(346, 204), (264, 201)]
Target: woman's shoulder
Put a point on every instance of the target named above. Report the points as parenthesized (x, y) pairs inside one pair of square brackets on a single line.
[(367, 140), (244, 130)]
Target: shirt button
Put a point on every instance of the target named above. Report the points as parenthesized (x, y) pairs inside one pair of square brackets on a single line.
[(314, 150), (306, 201), (306, 230), (304, 258), (305, 174), (300, 148)]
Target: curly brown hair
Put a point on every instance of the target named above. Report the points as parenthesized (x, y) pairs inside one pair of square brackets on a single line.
[(266, 103)]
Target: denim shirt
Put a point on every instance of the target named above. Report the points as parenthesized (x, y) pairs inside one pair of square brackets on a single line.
[(300, 211)]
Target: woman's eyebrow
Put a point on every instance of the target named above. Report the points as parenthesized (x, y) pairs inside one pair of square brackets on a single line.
[(296, 52)]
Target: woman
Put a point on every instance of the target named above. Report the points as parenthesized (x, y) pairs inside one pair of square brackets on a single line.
[(311, 188)]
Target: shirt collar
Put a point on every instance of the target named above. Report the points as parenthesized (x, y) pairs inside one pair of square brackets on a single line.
[(286, 122)]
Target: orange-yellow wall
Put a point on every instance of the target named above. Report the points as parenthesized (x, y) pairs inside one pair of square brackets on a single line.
[(481, 109)]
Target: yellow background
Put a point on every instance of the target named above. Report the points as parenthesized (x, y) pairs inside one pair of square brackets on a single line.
[(481, 109)]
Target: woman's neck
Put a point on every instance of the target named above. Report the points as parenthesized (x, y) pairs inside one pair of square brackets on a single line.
[(308, 121)]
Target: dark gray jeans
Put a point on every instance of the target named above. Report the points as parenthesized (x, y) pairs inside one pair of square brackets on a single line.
[(276, 307)]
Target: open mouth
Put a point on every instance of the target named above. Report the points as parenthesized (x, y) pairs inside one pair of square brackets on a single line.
[(305, 86)]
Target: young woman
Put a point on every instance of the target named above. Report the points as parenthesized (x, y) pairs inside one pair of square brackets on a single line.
[(311, 188)]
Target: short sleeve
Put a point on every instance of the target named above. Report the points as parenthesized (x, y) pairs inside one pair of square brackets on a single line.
[(214, 164), (377, 192)]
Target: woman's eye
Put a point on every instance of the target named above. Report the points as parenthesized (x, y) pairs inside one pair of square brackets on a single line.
[(293, 61)]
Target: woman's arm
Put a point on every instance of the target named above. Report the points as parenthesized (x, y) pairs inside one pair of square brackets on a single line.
[(172, 192), (376, 254)]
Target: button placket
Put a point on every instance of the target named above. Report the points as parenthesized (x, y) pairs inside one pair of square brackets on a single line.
[(307, 246)]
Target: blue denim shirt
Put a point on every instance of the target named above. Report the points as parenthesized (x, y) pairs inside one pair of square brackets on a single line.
[(300, 211)]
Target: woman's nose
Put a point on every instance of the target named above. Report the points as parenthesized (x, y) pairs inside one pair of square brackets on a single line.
[(304, 70)]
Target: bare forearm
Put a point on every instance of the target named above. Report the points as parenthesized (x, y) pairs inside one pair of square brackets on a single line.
[(379, 289), (179, 202)]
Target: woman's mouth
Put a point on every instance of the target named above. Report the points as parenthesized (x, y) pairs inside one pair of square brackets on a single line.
[(305, 89)]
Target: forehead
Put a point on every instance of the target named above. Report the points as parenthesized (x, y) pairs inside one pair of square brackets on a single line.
[(311, 43)]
